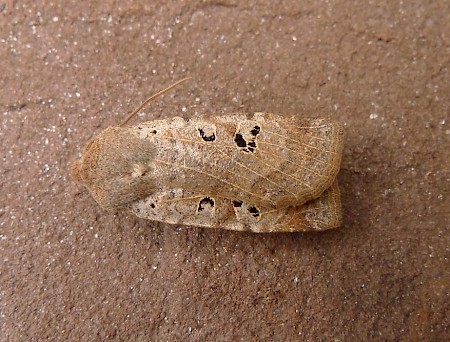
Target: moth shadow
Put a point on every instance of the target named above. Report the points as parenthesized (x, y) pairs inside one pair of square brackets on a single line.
[(354, 205)]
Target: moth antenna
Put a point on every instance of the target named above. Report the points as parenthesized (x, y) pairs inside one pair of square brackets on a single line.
[(129, 117)]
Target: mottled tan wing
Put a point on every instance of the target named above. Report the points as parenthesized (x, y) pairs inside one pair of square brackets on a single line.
[(178, 206), (269, 160)]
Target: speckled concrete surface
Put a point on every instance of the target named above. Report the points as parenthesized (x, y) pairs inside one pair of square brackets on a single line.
[(72, 271)]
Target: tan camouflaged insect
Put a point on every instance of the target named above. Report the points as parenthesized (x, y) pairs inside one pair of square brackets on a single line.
[(256, 172)]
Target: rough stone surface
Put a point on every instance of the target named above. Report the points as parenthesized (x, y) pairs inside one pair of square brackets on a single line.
[(73, 271)]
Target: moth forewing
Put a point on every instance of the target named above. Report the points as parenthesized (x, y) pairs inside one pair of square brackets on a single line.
[(170, 206), (268, 160)]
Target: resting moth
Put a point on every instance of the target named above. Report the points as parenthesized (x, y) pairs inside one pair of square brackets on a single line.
[(258, 172)]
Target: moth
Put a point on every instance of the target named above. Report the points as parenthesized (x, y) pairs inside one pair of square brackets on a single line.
[(257, 172)]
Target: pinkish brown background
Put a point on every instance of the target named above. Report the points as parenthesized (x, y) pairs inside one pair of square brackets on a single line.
[(72, 271)]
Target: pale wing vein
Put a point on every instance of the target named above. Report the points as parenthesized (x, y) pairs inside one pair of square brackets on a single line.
[(212, 176), (216, 147), (260, 175), (282, 172), (297, 152), (234, 147), (299, 142)]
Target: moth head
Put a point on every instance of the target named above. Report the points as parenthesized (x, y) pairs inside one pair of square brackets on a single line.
[(79, 170), (116, 167)]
